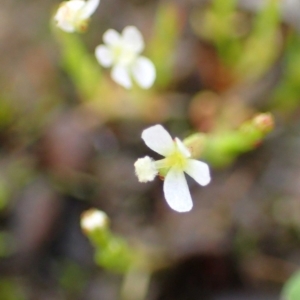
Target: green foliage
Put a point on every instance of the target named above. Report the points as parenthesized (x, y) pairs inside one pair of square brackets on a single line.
[(4, 194), (80, 64), (249, 53), (261, 47), (285, 97), (72, 278), (112, 252), (291, 289), (6, 112), (166, 32), (10, 290), (223, 29), (114, 255), (221, 148), (217, 24)]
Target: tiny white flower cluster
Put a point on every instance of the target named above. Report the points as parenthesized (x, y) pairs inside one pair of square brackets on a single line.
[(177, 161), (121, 52)]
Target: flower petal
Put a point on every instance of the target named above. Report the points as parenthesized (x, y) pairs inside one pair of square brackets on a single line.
[(182, 148), (111, 37), (75, 5), (120, 75), (89, 8), (66, 26), (144, 72), (104, 56), (158, 139), (198, 170), (177, 191), (133, 38)]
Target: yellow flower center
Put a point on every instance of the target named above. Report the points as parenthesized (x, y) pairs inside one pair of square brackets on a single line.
[(176, 159), (123, 55)]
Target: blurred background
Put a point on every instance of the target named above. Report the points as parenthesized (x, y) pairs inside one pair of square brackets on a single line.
[(69, 137)]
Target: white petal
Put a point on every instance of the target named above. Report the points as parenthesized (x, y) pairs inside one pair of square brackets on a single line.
[(120, 75), (198, 170), (67, 27), (104, 56), (158, 139), (111, 37), (182, 148), (133, 38), (89, 8), (74, 5), (177, 191), (144, 72)]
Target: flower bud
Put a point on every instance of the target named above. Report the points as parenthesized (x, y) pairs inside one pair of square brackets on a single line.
[(74, 15), (264, 122), (93, 219)]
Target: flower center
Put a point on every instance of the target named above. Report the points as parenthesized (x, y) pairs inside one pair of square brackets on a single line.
[(177, 159), (123, 55)]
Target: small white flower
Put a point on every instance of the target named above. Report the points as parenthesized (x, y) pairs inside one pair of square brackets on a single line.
[(93, 219), (122, 53), (73, 15), (177, 161)]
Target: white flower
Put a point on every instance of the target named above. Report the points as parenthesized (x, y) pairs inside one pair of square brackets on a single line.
[(122, 53), (93, 219), (177, 161), (73, 15)]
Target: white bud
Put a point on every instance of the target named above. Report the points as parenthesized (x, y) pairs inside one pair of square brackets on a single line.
[(73, 15), (145, 169), (93, 219)]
